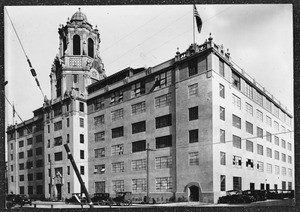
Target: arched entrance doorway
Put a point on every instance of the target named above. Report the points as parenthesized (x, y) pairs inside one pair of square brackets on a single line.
[(193, 191)]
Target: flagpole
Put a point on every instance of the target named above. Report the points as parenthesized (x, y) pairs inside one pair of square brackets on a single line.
[(193, 24)]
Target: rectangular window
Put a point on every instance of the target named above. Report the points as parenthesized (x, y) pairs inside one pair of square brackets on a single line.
[(117, 114), (193, 113), (139, 185), (21, 177), (237, 183), (29, 164), (236, 141), (260, 133), (237, 161), (222, 113), (236, 101), (58, 141), (21, 166), (248, 90), (222, 158), (221, 68), (259, 98), (276, 155), (39, 151), (58, 156), (118, 185), (100, 136), (250, 163), (163, 100), (98, 103), (138, 108), (39, 138), (138, 127), (99, 120), (137, 89), (283, 171), (259, 115), (223, 183), (81, 154), (21, 155), (117, 149), (57, 125), (68, 122), (139, 165), (117, 132), (277, 170), (289, 146), (30, 177), (282, 128), (260, 166), (68, 138), (269, 136), (193, 90), (276, 111), (276, 126), (193, 158), (100, 187), (249, 109), (48, 126), (116, 97), (249, 127), (222, 136), (162, 80), (21, 144), (268, 105), (222, 91), (163, 184), (283, 143), (290, 159), (39, 163), (99, 169), (276, 140), (68, 187), (68, 170), (82, 170), (269, 152), (81, 122), (193, 136), (269, 121), (163, 162), (163, 121), (100, 153), (269, 168), (81, 138), (236, 81), (249, 146), (193, 67), (236, 121), (29, 141), (75, 78), (283, 157), (163, 142), (117, 167), (81, 107), (260, 149), (290, 172), (138, 146), (57, 111)]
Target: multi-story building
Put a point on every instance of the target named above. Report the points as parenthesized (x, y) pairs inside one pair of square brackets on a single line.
[(191, 127), (25, 149)]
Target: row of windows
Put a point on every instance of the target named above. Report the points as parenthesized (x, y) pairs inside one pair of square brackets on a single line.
[(39, 189), (38, 139), (29, 165), (255, 95), (162, 184), (59, 140), (237, 184), (38, 151), (249, 164)]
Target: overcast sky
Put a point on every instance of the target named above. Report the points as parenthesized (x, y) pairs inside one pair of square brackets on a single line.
[(259, 38)]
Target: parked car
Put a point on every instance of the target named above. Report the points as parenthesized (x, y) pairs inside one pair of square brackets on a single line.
[(76, 198), (280, 194), (17, 199), (258, 195), (101, 198), (122, 198), (288, 194), (235, 197)]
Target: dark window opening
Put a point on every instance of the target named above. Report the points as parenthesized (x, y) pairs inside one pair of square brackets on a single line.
[(139, 127), (193, 113), (76, 45), (117, 132), (193, 69), (90, 47), (164, 141), (193, 136), (138, 146), (163, 121)]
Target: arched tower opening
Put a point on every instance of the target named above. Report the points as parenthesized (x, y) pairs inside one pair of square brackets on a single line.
[(91, 47), (76, 45)]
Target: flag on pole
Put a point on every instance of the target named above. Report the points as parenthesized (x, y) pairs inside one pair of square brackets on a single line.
[(198, 19)]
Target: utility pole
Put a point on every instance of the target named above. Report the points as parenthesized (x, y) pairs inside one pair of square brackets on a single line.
[(70, 156), (147, 169)]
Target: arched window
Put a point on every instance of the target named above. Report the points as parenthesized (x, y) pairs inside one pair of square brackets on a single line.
[(90, 47), (76, 45)]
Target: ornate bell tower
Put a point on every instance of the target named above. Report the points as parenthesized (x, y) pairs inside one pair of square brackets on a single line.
[(78, 63)]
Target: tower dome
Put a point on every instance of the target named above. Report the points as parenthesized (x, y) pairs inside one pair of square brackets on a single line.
[(79, 16)]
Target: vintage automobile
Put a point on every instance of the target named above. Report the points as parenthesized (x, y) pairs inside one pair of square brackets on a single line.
[(258, 195), (76, 198), (122, 198), (18, 199), (101, 199), (280, 194), (235, 197)]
